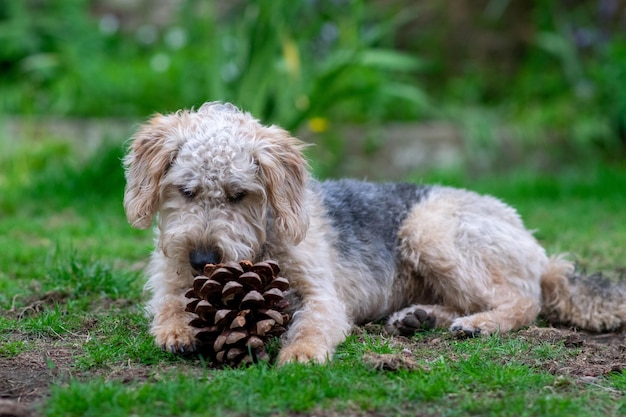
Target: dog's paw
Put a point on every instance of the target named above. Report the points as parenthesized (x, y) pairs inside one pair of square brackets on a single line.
[(462, 329), (179, 339), (302, 353), (410, 322)]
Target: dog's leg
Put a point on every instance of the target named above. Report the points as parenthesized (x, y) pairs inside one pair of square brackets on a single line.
[(477, 258), (170, 322), (320, 322), (516, 312), (505, 317)]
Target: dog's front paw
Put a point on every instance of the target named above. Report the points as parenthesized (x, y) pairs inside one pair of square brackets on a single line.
[(302, 353), (175, 339)]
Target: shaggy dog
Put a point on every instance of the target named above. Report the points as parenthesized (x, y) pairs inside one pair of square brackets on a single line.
[(227, 188)]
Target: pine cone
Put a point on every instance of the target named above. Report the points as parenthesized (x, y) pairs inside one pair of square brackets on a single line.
[(240, 308)]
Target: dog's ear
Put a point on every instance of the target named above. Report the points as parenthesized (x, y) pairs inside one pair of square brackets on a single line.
[(284, 172), (152, 150)]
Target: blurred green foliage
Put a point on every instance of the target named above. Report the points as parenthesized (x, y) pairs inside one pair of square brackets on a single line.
[(283, 61), (589, 45), (549, 75), (311, 63), (569, 85)]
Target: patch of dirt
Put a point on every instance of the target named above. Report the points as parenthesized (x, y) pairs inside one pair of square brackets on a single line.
[(35, 304), (404, 360), (31, 305), (26, 378), (587, 356), (10, 408), (592, 356)]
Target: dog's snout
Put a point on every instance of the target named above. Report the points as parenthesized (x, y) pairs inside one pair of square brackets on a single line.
[(199, 258)]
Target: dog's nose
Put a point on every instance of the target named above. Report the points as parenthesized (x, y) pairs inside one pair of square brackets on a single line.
[(199, 258)]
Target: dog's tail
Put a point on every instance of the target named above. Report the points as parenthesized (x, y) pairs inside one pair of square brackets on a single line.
[(590, 302)]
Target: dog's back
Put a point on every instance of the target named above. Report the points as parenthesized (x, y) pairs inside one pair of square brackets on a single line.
[(365, 219), (367, 216)]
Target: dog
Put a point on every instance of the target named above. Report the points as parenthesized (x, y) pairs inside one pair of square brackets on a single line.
[(224, 187)]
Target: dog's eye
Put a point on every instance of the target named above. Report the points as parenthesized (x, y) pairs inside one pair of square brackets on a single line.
[(237, 197), (187, 193)]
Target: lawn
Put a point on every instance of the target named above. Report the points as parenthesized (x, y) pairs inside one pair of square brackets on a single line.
[(74, 342)]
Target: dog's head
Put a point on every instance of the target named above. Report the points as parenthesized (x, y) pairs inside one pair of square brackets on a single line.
[(220, 182)]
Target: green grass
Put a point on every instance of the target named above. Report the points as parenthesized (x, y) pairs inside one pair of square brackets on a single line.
[(460, 382), (63, 234), (12, 348), (121, 337)]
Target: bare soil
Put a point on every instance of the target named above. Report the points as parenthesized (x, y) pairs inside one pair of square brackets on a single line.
[(26, 379), (588, 355)]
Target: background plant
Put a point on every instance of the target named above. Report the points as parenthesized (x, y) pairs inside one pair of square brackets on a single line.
[(319, 63), (58, 58)]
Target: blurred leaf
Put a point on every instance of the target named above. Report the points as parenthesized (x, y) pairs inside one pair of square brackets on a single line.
[(390, 60), (408, 92)]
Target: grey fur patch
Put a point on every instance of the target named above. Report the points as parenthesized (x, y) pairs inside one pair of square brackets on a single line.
[(366, 217)]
